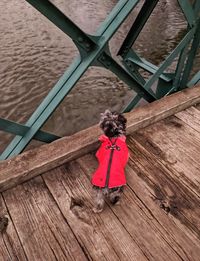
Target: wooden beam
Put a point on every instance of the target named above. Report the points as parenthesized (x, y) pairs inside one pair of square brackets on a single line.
[(163, 108), (39, 160)]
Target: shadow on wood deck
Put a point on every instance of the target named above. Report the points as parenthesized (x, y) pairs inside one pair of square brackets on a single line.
[(50, 215)]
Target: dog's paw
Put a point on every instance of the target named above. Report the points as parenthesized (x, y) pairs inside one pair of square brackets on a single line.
[(115, 200)]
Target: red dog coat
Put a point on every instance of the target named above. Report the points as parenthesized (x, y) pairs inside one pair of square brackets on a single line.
[(112, 156)]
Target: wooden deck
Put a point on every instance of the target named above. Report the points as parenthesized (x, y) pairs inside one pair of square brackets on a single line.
[(50, 215)]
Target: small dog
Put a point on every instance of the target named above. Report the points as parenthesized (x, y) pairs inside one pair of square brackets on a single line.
[(109, 179)]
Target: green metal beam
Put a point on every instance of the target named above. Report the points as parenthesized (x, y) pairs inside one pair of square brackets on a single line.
[(132, 104), (21, 130), (144, 64), (170, 58), (195, 80), (191, 57), (66, 83), (113, 66), (94, 51), (163, 66), (137, 26), (196, 8), (180, 67), (188, 11)]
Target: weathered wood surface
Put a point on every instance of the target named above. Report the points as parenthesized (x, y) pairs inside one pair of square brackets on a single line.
[(178, 147), (148, 224), (168, 192), (37, 161), (190, 116), (41, 227), (102, 236), (51, 218), (10, 245)]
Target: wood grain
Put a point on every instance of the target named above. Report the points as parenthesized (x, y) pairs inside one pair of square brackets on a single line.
[(102, 236), (43, 231), (46, 157), (191, 117), (10, 245), (176, 145), (176, 199), (183, 241), (144, 226)]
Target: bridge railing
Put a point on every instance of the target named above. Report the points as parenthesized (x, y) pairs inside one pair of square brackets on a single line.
[(94, 51)]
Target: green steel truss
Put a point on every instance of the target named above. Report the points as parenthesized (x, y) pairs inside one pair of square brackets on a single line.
[(94, 51)]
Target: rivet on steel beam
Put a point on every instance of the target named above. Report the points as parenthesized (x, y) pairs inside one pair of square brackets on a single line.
[(108, 63), (87, 45), (80, 39), (127, 62), (103, 58)]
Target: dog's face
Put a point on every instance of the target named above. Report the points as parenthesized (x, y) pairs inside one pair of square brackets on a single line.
[(113, 124)]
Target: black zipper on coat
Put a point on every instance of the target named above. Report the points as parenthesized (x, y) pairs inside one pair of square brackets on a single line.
[(112, 148)]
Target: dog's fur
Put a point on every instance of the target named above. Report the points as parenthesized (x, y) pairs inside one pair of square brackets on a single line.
[(113, 125)]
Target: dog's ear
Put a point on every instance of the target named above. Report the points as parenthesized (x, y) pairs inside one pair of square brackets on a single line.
[(107, 115), (122, 119)]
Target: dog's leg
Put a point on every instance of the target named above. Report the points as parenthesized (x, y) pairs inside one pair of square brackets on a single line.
[(115, 195), (99, 201)]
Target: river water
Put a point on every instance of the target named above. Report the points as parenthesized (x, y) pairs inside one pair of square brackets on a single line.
[(34, 54)]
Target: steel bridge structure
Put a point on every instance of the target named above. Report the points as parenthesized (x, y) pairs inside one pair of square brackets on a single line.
[(94, 51)]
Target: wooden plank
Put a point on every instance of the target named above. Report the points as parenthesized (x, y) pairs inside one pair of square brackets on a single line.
[(145, 227), (186, 245), (161, 109), (10, 245), (102, 236), (177, 199), (177, 146), (164, 198), (190, 116), (43, 231), (172, 186), (170, 204), (39, 160)]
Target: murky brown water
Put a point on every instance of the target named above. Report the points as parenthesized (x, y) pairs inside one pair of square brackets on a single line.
[(34, 54)]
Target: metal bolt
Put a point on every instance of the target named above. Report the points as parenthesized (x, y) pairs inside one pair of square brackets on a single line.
[(103, 58), (87, 45), (80, 39), (127, 62)]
